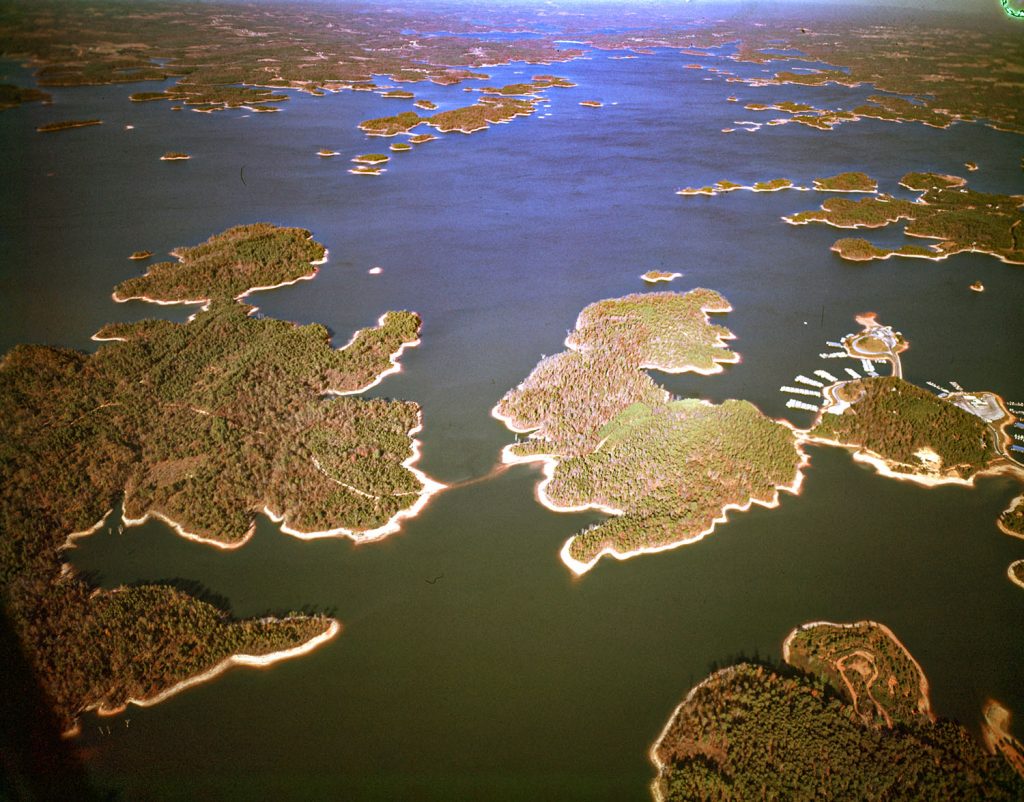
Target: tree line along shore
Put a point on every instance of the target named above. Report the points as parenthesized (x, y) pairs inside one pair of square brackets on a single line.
[(202, 424)]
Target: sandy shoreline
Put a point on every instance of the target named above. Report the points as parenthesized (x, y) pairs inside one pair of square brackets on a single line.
[(884, 467), (793, 488), (1003, 527), (257, 661), (652, 753), (394, 357), (315, 264), (550, 465), (430, 487)]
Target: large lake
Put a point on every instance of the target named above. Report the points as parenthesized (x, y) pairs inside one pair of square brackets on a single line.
[(508, 678)]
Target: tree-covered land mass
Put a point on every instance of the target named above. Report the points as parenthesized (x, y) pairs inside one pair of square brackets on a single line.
[(1012, 518), (205, 423), (12, 96), (64, 125), (772, 185), (1016, 572), (538, 84), (950, 71), (671, 470), (228, 265), (959, 218), (214, 98), (857, 249), (898, 109), (868, 666), (228, 55), (389, 126), (847, 182), (921, 182), (914, 431), (620, 441), (487, 110), (754, 732), (874, 212)]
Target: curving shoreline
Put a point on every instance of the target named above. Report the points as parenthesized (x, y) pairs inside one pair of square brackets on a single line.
[(793, 488), (255, 661), (885, 467), (394, 524), (394, 357), (924, 691), (1003, 527), (315, 264), (550, 465), (652, 753)]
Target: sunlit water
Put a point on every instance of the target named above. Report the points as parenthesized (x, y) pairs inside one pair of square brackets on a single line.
[(507, 678)]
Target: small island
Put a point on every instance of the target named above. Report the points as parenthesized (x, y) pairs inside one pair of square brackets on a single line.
[(371, 158), (847, 713), (772, 186), (402, 94), (654, 276), (857, 249), (390, 126), (419, 139), (12, 96), (139, 255), (174, 156), (400, 147), (232, 264), (1016, 572), (846, 182), (921, 182), (327, 153), (591, 104), (1011, 521), (66, 125), (611, 439), (367, 169), (977, 286), (427, 105), (723, 186)]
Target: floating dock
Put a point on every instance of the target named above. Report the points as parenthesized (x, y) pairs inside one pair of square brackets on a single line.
[(794, 404), (800, 391)]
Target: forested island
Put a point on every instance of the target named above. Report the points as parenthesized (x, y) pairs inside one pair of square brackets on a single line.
[(846, 182), (846, 716), (723, 186), (228, 265), (489, 109), (12, 96), (65, 125), (666, 469), (906, 432), (201, 424), (959, 218)]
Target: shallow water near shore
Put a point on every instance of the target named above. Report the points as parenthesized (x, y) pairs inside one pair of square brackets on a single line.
[(472, 663)]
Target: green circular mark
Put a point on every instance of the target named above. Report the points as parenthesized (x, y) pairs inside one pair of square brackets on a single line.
[(1012, 10)]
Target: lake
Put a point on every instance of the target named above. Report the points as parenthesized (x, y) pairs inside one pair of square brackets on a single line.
[(508, 678)]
